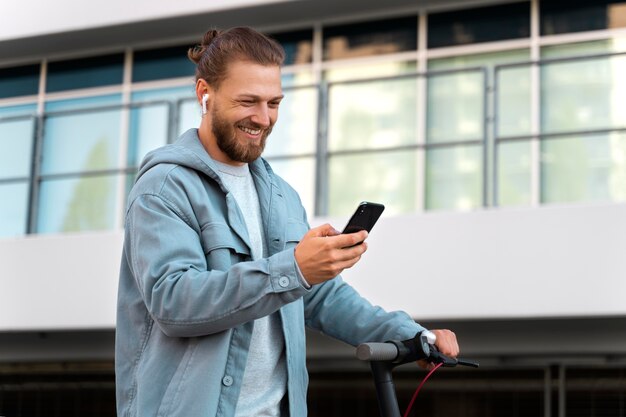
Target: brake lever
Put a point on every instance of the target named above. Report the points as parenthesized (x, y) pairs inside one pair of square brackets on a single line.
[(446, 361)]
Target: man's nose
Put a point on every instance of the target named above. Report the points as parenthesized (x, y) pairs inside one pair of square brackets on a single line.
[(262, 116)]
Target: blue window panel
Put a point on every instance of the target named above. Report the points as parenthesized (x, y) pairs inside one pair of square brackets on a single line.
[(83, 141), (157, 64), (18, 110), (19, 81), (77, 204), (83, 103), (484, 24), (85, 73), (16, 146), (14, 208)]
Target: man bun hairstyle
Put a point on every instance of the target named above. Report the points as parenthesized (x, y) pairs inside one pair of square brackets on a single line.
[(219, 48)]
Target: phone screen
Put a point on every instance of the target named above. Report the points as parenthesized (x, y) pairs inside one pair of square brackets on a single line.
[(364, 217)]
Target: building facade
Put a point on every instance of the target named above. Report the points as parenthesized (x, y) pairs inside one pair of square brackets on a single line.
[(493, 131)]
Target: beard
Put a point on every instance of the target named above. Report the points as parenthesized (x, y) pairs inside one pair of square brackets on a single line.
[(226, 137)]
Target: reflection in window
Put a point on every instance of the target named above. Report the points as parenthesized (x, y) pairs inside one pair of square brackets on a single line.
[(18, 110), (81, 142), (514, 173), (583, 94), (148, 130), (373, 114), (295, 132), (388, 177), (370, 38), (298, 46), (300, 174), (584, 168), (455, 109), (19, 81), (14, 208), (77, 204), (85, 73), (564, 16), (454, 178), (485, 24), (189, 115), (16, 146), (149, 123), (157, 64), (514, 101)]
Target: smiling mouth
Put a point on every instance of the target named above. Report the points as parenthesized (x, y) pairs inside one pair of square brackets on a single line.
[(253, 132)]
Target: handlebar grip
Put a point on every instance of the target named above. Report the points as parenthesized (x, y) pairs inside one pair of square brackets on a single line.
[(377, 352)]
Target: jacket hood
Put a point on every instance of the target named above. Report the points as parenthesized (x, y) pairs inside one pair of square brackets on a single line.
[(187, 151)]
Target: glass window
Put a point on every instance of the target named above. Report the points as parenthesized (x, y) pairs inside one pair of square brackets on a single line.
[(148, 130), (583, 94), (189, 115), (455, 109), (16, 146), (18, 110), (300, 174), (514, 173), (295, 132), (149, 124), (370, 38), (513, 114), (77, 204), (14, 208), (83, 103), (564, 16), (156, 64), (484, 24), (298, 46), (19, 81), (584, 168), (82, 141), (388, 177), (372, 114), (85, 73), (454, 178)]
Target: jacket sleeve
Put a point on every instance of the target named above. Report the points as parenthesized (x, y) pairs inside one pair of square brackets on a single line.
[(335, 308), (183, 297)]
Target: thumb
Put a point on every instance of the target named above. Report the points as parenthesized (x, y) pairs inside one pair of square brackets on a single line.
[(323, 231)]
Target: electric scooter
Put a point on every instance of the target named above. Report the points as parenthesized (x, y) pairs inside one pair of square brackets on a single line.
[(384, 357)]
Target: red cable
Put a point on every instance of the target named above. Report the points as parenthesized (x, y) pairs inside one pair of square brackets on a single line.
[(408, 409)]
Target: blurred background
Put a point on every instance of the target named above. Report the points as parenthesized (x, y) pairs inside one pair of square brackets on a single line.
[(493, 131)]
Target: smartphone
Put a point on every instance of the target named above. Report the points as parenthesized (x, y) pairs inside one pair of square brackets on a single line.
[(364, 217)]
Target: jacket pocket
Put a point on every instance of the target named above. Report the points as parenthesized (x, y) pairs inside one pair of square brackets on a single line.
[(222, 247), (294, 232)]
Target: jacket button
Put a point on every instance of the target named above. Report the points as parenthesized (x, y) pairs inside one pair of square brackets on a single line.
[(227, 380), (283, 282)]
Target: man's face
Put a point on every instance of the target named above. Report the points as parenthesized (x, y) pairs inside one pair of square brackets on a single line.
[(244, 110)]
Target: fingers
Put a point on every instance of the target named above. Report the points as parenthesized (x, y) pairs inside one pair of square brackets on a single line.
[(323, 231), (446, 342)]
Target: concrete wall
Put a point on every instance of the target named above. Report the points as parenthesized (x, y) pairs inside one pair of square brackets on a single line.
[(549, 262)]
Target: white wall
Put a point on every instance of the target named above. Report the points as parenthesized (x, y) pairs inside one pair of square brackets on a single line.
[(27, 18), (514, 263)]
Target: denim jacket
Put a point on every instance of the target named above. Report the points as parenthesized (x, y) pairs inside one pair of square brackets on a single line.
[(189, 290)]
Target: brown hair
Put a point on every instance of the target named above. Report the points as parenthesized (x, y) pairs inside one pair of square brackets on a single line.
[(219, 48)]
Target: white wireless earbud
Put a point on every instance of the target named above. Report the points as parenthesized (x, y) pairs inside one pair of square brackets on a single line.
[(205, 98)]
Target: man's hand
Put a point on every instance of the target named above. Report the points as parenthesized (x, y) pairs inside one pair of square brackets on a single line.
[(446, 343), (323, 253)]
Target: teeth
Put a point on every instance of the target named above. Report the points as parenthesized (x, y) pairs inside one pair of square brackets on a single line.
[(250, 131)]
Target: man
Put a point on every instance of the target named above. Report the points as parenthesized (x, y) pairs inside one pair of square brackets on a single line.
[(220, 273)]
